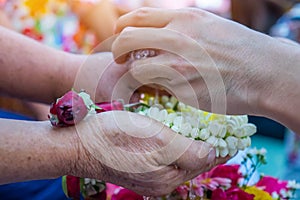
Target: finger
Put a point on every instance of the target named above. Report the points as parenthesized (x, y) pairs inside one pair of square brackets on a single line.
[(145, 17), (169, 72), (217, 161), (184, 152), (173, 67), (185, 175), (156, 70), (198, 157), (132, 39)]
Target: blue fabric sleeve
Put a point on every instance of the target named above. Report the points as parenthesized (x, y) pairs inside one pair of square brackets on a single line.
[(30, 190)]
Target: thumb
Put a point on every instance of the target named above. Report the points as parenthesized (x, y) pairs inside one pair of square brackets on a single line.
[(199, 157), (186, 154)]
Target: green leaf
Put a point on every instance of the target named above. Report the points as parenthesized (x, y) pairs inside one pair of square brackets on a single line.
[(82, 190), (64, 185), (95, 107)]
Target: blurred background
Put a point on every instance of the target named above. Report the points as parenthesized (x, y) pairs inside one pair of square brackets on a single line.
[(78, 26)]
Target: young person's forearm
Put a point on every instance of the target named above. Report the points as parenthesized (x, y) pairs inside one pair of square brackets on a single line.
[(34, 150), (34, 71), (280, 100)]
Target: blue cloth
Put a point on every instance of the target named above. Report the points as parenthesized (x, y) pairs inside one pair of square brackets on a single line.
[(31, 190)]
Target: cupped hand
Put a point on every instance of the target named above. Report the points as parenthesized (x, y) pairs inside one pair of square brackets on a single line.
[(139, 153), (206, 61)]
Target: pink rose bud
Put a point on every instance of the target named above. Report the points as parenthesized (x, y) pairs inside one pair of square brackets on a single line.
[(67, 110), (108, 106)]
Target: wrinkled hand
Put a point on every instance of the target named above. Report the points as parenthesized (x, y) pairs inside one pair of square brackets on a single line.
[(206, 61), (138, 153)]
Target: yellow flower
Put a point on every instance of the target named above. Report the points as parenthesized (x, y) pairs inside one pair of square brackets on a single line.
[(259, 194), (36, 7), (170, 111)]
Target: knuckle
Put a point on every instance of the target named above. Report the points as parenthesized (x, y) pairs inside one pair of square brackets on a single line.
[(125, 34), (135, 70), (193, 13), (141, 13)]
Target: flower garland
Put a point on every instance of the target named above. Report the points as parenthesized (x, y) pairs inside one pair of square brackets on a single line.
[(51, 22), (227, 134)]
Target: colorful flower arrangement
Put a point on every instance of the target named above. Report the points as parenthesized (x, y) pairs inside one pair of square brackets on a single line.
[(228, 134), (225, 182), (51, 22)]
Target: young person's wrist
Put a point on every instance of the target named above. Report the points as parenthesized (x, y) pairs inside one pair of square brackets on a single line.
[(279, 97)]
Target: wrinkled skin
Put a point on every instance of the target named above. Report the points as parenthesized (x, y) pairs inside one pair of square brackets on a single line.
[(138, 153)]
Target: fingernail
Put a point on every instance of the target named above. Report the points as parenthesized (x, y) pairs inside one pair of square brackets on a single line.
[(129, 28)]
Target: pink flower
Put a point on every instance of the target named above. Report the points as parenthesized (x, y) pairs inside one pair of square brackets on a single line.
[(233, 193), (67, 110), (108, 106), (110, 189), (183, 191), (227, 171), (125, 194), (271, 184), (206, 182)]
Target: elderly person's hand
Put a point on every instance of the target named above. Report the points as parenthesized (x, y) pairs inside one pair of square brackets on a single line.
[(139, 153), (213, 63), (124, 148)]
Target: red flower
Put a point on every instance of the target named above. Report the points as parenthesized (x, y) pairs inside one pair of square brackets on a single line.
[(99, 196), (73, 186), (125, 194), (218, 194), (271, 184), (67, 110), (227, 171), (32, 33), (108, 106), (233, 193)]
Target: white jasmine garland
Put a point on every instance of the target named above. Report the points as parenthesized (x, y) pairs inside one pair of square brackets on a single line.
[(204, 134), (227, 134), (232, 152), (195, 133), (223, 152)]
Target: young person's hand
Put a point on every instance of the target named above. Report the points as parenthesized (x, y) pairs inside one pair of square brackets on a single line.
[(213, 63)]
